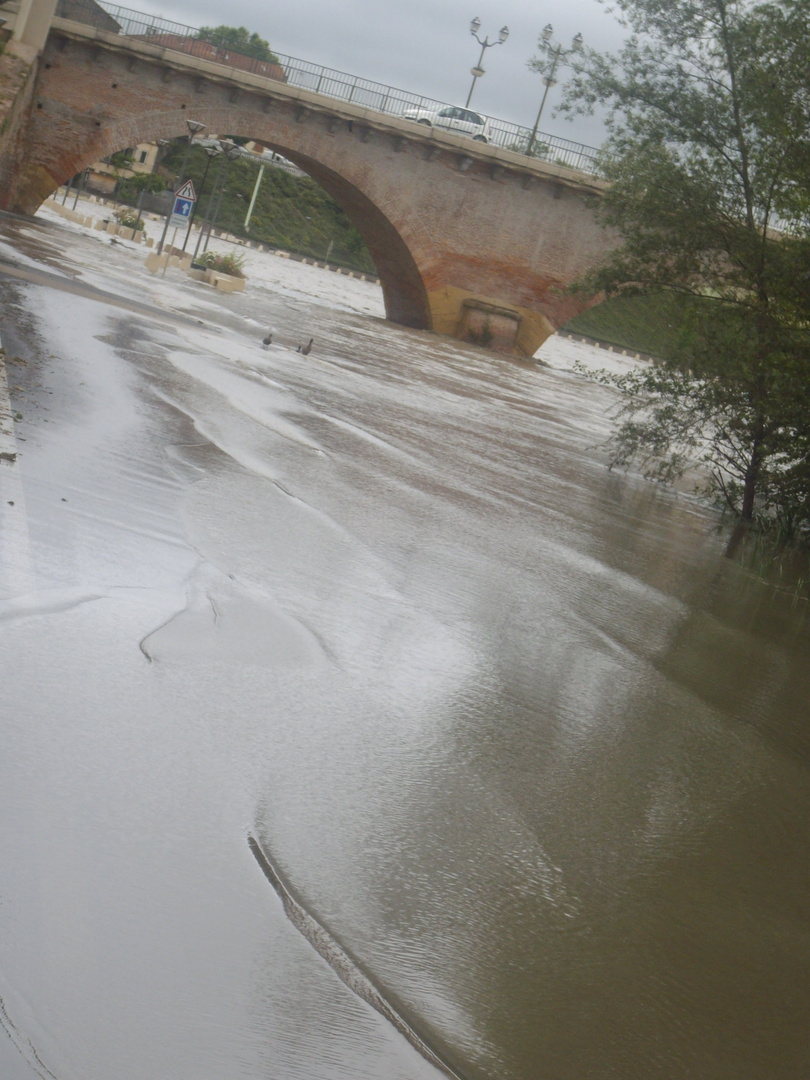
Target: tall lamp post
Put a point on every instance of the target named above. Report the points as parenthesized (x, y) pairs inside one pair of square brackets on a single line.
[(226, 150), (232, 152), (253, 197), (478, 71), (160, 145), (211, 153), (553, 53), (194, 129)]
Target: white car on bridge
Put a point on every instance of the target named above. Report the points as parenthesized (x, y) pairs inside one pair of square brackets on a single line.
[(452, 118)]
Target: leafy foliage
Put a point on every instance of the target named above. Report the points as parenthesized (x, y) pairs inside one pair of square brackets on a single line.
[(647, 323), (709, 119), (229, 263), (539, 149), (239, 39), (122, 159), (292, 213), (131, 187), (129, 219)]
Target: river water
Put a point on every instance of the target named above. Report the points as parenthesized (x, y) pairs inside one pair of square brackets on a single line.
[(525, 745)]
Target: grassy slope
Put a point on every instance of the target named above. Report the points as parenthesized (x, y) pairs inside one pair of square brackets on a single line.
[(291, 213), (646, 324)]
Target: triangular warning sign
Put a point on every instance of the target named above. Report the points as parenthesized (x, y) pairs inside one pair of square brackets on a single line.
[(186, 192)]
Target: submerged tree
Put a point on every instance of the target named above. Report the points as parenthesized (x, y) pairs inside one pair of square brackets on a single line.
[(709, 119)]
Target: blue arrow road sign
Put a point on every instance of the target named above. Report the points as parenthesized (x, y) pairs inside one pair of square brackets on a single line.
[(181, 212)]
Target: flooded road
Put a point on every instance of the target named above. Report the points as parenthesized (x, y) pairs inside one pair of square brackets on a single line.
[(529, 751)]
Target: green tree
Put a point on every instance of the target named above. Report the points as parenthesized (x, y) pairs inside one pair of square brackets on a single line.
[(130, 188), (708, 114), (239, 39), (121, 159)]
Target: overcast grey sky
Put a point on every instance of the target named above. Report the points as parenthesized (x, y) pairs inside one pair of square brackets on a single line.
[(422, 45)]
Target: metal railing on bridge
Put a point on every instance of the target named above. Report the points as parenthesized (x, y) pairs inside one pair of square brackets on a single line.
[(331, 83)]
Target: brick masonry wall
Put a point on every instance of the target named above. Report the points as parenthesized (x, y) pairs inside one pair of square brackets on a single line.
[(443, 225), (18, 65)]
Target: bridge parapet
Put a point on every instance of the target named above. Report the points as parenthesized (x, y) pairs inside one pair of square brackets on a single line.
[(217, 70), (335, 84)]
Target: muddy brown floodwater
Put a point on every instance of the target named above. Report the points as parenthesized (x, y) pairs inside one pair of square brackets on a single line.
[(518, 738)]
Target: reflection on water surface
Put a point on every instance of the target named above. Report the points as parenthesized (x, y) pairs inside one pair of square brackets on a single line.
[(514, 729)]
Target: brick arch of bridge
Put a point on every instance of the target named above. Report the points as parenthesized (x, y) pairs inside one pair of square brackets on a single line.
[(404, 292), (467, 240)]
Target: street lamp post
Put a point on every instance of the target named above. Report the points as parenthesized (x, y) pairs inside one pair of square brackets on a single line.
[(211, 153), (307, 223), (160, 144), (229, 150), (194, 128), (232, 152), (253, 197), (81, 187), (555, 53), (478, 70)]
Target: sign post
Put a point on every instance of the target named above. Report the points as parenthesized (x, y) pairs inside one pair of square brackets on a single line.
[(184, 200), (182, 207)]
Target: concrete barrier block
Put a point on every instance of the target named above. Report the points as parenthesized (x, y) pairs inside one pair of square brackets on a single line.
[(112, 228), (194, 274), (173, 260), (100, 225), (154, 262), (150, 241), (185, 262), (125, 234)]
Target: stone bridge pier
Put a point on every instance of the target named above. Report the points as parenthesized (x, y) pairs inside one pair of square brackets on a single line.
[(468, 239)]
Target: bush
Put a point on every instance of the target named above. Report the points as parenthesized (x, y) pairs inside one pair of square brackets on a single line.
[(223, 264), (129, 219)]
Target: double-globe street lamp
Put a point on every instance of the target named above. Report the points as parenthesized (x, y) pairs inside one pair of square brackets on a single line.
[(553, 54), (210, 152), (478, 70), (227, 151), (232, 151)]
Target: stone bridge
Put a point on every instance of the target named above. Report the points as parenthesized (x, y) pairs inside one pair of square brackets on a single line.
[(468, 239)]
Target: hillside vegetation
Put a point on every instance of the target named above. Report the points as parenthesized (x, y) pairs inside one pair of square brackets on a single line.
[(646, 324), (291, 213)]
